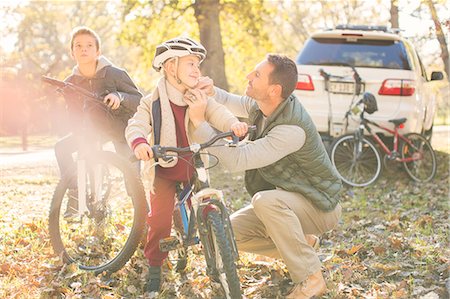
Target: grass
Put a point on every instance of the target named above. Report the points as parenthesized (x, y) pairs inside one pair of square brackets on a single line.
[(392, 243)]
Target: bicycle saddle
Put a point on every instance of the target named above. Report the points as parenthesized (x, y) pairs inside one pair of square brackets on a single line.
[(398, 121)]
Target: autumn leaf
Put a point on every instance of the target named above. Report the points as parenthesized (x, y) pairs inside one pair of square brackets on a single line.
[(379, 250), (396, 243), (354, 249)]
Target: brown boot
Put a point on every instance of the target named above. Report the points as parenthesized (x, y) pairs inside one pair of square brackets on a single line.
[(313, 286)]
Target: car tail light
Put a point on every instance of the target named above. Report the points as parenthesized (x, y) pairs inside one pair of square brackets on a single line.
[(304, 82), (397, 87)]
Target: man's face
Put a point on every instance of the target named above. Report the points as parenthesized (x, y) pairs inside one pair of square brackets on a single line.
[(258, 81), (84, 49)]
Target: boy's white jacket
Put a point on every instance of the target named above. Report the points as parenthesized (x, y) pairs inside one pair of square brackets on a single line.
[(140, 125)]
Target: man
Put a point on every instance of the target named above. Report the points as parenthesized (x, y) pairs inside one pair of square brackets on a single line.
[(293, 184)]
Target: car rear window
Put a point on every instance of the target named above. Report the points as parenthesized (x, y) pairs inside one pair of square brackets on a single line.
[(388, 54)]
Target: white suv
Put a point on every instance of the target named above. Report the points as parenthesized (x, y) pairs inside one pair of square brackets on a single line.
[(388, 67)]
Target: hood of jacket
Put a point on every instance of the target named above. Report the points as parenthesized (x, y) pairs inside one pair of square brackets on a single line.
[(102, 62)]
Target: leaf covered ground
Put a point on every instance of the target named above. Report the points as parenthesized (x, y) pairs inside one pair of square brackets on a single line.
[(393, 242)]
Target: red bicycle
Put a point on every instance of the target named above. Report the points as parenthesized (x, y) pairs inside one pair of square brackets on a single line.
[(358, 160)]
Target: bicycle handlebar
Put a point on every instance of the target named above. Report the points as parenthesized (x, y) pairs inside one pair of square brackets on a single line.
[(160, 152), (61, 85)]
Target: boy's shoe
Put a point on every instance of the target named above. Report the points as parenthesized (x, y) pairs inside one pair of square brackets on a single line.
[(72, 203), (154, 280)]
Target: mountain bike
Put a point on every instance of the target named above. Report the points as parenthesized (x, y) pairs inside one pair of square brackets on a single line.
[(358, 160), (107, 226), (200, 216)]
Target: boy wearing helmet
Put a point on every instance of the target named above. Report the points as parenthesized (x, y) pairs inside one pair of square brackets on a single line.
[(164, 118)]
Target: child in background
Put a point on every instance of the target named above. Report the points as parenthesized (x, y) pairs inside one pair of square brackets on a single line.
[(164, 118), (95, 73)]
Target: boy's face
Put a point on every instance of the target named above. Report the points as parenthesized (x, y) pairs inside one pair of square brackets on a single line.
[(189, 70), (84, 49)]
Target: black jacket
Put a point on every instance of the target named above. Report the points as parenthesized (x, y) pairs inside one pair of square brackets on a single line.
[(107, 79)]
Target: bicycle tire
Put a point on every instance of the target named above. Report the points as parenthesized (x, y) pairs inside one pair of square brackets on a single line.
[(422, 170), (356, 171), (123, 234), (220, 246)]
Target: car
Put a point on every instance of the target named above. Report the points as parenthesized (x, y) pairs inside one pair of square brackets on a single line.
[(336, 66)]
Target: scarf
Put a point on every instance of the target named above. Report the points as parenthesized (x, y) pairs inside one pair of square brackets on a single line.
[(165, 91)]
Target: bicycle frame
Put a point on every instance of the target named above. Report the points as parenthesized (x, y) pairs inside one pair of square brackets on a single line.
[(199, 199), (82, 182), (83, 151), (391, 154)]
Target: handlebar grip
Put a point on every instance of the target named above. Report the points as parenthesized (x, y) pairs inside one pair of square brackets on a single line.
[(53, 81)]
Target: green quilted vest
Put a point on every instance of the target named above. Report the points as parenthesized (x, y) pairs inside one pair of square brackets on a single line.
[(307, 171)]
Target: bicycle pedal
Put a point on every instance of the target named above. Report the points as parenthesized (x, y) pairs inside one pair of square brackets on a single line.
[(169, 243)]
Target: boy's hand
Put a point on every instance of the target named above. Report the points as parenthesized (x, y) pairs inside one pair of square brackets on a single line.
[(207, 85), (239, 129), (197, 101), (143, 151), (112, 101)]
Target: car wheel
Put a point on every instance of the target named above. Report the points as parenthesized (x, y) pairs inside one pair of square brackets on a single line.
[(428, 133)]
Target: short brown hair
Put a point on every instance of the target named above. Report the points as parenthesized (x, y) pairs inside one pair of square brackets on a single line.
[(84, 30), (284, 73)]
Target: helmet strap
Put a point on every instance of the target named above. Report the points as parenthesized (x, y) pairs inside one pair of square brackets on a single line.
[(176, 75)]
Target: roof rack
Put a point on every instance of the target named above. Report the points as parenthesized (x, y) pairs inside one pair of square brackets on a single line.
[(368, 28)]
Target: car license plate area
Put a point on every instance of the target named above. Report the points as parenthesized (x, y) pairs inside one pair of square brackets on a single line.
[(343, 87)]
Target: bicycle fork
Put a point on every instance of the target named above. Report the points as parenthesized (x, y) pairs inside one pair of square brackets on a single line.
[(95, 184)]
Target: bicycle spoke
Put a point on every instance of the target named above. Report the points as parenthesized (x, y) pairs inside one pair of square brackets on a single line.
[(422, 168), (356, 168), (107, 234)]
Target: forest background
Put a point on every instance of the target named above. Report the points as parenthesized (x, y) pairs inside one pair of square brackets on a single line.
[(237, 34), (393, 241)]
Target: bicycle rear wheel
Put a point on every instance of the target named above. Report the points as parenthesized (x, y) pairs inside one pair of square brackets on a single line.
[(424, 169), (357, 162), (222, 253), (106, 237)]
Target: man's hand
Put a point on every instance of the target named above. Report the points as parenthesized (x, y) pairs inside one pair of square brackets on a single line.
[(197, 101), (143, 151), (207, 85), (112, 100), (239, 129)]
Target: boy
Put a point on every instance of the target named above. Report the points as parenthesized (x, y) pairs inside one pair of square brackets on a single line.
[(95, 73), (171, 125)]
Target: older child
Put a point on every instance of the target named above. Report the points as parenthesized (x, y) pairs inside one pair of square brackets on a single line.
[(96, 74), (175, 100)]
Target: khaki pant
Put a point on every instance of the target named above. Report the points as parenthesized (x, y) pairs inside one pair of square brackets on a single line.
[(275, 225)]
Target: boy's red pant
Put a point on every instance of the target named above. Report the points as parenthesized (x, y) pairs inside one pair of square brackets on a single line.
[(159, 219)]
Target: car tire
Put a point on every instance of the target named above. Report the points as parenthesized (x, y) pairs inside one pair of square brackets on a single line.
[(428, 133)]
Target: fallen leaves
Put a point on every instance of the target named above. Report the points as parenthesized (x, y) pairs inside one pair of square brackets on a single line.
[(392, 243)]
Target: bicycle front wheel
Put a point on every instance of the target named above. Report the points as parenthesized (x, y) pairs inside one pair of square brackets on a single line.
[(222, 253), (357, 161), (106, 236), (422, 168)]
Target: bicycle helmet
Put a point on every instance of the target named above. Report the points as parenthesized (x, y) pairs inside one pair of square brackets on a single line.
[(177, 47), (370, 103)]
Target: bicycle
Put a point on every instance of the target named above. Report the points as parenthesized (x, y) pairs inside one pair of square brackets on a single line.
[(200, 211), (358, 160), (109, 222)]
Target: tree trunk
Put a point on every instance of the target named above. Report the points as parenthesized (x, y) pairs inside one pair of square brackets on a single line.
[(440, 36), (24, 137), (394, 14), (207, 15)]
